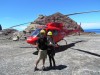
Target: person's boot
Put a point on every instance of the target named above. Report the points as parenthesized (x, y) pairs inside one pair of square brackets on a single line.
[(35, 69), (43, 68)]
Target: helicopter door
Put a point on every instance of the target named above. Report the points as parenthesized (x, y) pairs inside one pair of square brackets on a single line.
[(55, 35)]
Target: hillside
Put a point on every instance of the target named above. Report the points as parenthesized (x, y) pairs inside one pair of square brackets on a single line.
[(57, 17)]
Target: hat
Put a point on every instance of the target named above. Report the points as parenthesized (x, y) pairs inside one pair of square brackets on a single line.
[(42, 31), (49, 33)]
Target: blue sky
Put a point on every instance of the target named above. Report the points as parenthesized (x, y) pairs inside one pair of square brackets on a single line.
[(14, 12)]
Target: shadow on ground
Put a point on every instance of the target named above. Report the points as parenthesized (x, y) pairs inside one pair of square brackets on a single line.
[(91, 53), (62, 48), (27, 47), (59, 67), (65, 47)]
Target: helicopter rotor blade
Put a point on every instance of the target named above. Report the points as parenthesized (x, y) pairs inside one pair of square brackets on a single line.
[(65, 15), (83, 12), (19, 25)]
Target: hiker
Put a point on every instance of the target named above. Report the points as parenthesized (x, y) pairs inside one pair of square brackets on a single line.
[(51, 49), (42, 49)]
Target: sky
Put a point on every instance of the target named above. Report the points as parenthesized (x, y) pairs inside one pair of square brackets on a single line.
[(14, 12)]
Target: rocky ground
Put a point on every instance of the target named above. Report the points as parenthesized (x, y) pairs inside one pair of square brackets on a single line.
[(81, 56)]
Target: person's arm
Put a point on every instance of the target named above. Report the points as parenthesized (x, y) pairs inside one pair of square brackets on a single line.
[(52, 42), (37, 44)]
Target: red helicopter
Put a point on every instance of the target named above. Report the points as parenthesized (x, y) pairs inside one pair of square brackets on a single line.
[(58, 29), (59, 32)]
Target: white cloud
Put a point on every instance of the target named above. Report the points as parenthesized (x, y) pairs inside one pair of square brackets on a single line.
[(91, 25)]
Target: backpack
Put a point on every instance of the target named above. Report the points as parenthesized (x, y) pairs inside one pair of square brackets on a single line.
[(42, 43)]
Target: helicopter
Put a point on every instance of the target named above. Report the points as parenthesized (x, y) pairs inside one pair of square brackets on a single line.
[(58, 29)]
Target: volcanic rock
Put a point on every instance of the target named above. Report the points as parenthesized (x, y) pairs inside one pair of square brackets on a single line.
[(57, 17), (8, 31), (20, 35)]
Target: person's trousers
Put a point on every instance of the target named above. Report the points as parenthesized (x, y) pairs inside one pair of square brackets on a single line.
[(51, 58)]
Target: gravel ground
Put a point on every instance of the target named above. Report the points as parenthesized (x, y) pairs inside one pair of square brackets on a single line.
[(81, 56)]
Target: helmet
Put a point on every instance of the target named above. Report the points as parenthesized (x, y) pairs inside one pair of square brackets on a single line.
[(49, 33), (42, 31)]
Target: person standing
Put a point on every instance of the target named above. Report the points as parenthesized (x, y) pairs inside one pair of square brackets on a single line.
[(42, 49), (51, 49)]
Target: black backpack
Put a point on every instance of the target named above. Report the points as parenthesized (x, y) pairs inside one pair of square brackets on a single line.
[(42, 43)]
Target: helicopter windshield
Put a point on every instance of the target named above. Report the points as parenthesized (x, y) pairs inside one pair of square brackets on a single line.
[(36, 32)]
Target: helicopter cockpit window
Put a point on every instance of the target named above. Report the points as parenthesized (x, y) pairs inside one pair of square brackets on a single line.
[(55, 32), (36, 32)]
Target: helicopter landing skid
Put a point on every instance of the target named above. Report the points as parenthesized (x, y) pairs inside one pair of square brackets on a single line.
[(62, 42), (65, 41)]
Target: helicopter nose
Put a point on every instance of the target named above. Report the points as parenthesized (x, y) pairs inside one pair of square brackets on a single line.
[(31, 40)]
